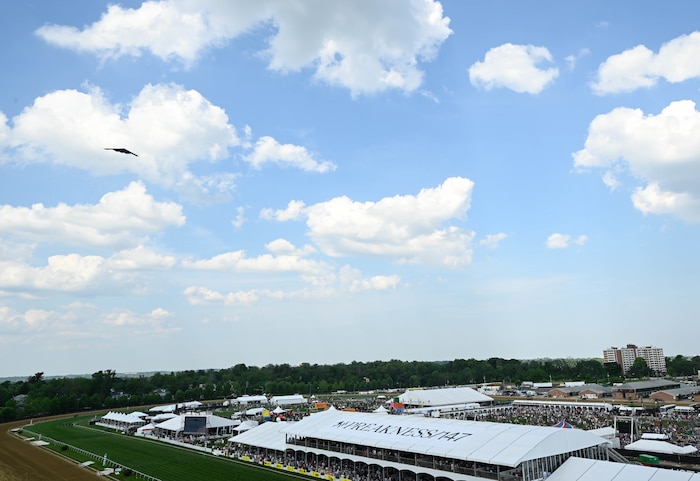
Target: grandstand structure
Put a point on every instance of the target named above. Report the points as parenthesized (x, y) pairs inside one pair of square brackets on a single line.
[(343, 444)]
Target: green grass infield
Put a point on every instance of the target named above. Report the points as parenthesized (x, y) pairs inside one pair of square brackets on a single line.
[(163, 461)]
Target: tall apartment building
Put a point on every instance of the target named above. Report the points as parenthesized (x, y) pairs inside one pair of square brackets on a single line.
[(625, 356)]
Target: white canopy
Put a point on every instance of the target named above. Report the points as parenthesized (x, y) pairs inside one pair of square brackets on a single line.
[(177, 423), (251, 399), (123, 418), (442, 397), (148, 427), (279, 410), (162, 417), (580, 469), (291, 400), (266, 435), (246, 425), (478, 441), (656, 446), (171, 408)]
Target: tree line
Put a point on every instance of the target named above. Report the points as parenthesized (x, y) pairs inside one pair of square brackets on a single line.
[(37, 395)]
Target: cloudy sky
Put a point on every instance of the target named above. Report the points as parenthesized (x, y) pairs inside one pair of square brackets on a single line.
[(328, 181)]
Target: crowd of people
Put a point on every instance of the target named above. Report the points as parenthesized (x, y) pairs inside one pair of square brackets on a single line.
[(322, 465), (549, 415), (680, 428)]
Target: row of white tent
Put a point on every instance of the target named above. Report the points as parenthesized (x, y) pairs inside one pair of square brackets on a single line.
[(175, 425), (171, 408), (289, 400)]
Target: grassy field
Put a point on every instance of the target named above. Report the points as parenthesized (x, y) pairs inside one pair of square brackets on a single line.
[(166, 462)]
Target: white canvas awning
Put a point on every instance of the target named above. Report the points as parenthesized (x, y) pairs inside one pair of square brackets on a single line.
[(478, 441), (246, 425), (656, 446), (580, 469)]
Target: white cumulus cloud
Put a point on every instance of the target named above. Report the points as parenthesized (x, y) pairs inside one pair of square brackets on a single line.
[(313, 34), (662, 152), (411, 228), (295, 210), (563, 241), (285, 258), (640, 67), (120, 218), (167, 126), (268, 150), (492, 240), (515, 67), (120, 273)]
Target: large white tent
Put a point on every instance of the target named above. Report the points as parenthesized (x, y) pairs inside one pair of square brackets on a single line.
[(246, 426), (477, 441), (442, 397), (174, 427), (266, 435), (579, 469), (259, 399), (171, 408), (291, 400), (122, 421), (657, 446)]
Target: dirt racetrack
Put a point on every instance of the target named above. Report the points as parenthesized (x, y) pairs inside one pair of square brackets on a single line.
[(21, 461)]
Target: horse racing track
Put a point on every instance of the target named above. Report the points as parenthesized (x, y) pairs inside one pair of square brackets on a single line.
[(20, 460)]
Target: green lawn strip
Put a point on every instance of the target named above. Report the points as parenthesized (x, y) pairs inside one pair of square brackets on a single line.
[(166, 462), (68, 453)]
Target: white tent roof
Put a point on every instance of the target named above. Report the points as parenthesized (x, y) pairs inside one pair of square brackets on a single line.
[(656, 446), (254, 411), (163, 417), (279, 410), (147, 427), (288, 400), (177, 423), (606, 432), (579, 469), (486, 442), (442, 397), (251, 399), (130, 418), (266, 435), (246, 425), (381, 409), (174, 407)]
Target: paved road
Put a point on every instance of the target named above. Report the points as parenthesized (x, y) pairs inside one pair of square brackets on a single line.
[(21, 461)]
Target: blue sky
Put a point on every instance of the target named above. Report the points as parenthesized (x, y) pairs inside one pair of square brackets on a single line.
[(333, 181)]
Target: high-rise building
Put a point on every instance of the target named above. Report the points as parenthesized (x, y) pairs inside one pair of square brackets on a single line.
[(625, 356)]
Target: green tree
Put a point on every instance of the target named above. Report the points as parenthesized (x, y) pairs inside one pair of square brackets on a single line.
[(680, 366), (639, 369)]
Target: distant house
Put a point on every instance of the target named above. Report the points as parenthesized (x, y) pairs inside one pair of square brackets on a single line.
[(161, 392), (688, 392), (20, 399), (642, 389), (587, 391), (595, 391), (117, 394)]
